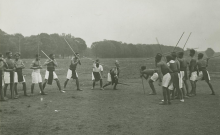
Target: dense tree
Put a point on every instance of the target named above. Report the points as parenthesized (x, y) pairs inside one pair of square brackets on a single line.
[(115, 49), (210, 52), (29, 46)]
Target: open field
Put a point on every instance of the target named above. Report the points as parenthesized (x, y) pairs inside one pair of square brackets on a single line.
[(126, 111)]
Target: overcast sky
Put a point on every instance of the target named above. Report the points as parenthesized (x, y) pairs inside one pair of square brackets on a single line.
[(130, 21)]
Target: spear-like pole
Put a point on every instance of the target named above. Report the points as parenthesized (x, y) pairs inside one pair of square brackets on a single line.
[(70, 47), (187, 40), (178, 42)]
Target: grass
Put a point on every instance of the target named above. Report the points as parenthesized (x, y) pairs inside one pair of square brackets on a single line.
[(126, 111)]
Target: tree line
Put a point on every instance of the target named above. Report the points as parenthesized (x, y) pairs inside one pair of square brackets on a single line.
[(55, 43), (117, 49), (49, 43)]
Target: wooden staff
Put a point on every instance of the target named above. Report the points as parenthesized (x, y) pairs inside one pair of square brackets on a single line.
[(187, 40), (178, 42), (70, 47), (46, 55)]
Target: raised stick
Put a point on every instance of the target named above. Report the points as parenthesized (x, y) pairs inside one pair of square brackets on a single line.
[(187, 40), (70, 47), (178, 42)]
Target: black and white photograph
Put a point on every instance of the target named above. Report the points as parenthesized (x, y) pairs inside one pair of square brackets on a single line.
[(109, 67)]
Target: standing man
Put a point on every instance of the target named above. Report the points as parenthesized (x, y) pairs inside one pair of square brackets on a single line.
[(113, 76), (174, 66), (193, 72), (2, 68), (18, 75), (164, 78), (97, 74), (203, 73), (183, 73), (71, 73), (9, 74), (50, 74), (36, 76), (154, 77)]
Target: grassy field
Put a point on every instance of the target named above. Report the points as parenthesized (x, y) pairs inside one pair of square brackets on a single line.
[(126, 111)]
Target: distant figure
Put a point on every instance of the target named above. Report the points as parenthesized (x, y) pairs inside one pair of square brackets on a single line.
[(71, 73), (50, 74), (113, 76), (9, 74), (36, 76), (164, 78), (97, 74), (18, 75), (203, 73), (154, 77)]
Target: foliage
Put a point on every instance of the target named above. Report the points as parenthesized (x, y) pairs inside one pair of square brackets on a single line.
[(116, 49), (210, 52), (52, 43)]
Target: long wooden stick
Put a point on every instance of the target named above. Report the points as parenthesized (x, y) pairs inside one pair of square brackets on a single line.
[(187, 40), (166, 54), (70, 47), (159, 46), (160, 49), (46, 55), (178, 42), (143, 84)]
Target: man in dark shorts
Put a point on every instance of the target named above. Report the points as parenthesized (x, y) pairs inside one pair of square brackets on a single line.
[(71, 73), (113, 76), (50, 74), (203, 73), (164, 78), (18, 75), (154, 77), (9, 74)]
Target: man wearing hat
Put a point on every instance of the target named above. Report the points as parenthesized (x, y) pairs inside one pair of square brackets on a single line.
[(97, 74)]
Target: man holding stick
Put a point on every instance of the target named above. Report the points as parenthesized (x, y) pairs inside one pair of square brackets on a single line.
[(50, 74), (9, 74), (154, 77), (71, 73)]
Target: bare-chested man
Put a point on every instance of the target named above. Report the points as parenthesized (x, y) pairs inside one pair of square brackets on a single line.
[(203, 73), (193, 72), (183, 73), (175, 67), (154, 77), (164, 78)]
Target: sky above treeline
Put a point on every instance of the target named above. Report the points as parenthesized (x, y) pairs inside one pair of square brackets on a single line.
[(129, 21)]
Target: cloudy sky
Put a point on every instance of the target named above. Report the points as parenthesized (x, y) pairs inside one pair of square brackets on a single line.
[(130, 21)]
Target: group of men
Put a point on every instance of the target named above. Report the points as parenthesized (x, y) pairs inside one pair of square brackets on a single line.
[(11, 74), (172, 74)]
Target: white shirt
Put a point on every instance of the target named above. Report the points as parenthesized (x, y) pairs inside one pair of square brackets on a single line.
[(97, 69)]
